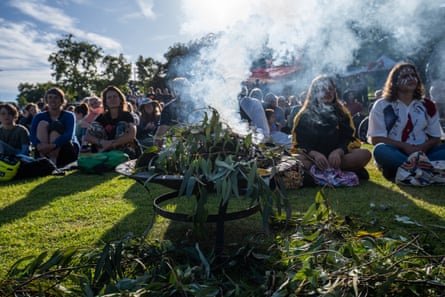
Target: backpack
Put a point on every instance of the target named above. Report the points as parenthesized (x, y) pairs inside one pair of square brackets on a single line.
[(101, 162), (30, 168)]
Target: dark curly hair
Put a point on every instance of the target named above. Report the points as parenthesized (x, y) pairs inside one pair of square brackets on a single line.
[(390, 88)]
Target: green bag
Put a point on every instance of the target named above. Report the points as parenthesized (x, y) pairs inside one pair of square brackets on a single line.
[(101, 162)]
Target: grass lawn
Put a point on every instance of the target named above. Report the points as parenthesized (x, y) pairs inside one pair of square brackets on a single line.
[(81, 210)]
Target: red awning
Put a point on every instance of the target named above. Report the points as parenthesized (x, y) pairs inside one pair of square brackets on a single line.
[(273, 73)]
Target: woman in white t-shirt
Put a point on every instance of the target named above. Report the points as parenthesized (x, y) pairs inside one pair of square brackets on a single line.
[(404, 121)]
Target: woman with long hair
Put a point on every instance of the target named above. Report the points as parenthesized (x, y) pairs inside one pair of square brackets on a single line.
[(115, 128), (323, 132), (404, 121)]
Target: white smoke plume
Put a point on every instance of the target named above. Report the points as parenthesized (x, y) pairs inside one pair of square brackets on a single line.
[(323, 31)]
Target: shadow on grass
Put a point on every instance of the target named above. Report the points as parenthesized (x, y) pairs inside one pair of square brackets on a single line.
[(54, 188), (176, 231), (137, 221)]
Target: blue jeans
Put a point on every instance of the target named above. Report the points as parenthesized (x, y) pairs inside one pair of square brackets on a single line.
[(389, 158)]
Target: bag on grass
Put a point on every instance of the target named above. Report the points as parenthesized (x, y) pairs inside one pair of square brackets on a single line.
[(418, 170), (101, 162), (334, 177), (39, 167), (290, 173)]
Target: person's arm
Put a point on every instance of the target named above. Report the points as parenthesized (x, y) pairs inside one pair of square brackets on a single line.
[(434, 129), (69, 121), (33, 129), (164, 124), (158, 137), (427, 145), (124, 139), (403, 146), (319, 159), (377, 132), (93, 140), (24, 140), (346, 133)]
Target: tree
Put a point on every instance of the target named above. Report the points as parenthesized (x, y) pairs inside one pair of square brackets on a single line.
[(75, 66), (177, 63), (149, 73), (32, 92), (117, 72)]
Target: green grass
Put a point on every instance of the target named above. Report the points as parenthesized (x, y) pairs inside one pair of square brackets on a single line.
[(82, 210)]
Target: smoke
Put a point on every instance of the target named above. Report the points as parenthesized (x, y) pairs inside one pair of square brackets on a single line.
[(323, 34)]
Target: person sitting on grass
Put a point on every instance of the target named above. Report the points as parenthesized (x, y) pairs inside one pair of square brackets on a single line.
[(28, 113), (150, 113), (115, 128), (53, 132), (14, 138), (404, 121), (323, 133), (81, 112)]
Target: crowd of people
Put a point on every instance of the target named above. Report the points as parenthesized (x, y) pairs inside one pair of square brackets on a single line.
[(318, 125)]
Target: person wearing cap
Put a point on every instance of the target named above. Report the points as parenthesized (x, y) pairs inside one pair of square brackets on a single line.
[(53, 132), (150, 112)]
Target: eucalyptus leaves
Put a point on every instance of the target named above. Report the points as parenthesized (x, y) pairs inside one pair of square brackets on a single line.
[(213, 161)]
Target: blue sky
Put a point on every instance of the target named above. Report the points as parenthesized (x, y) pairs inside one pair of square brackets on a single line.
[(29, 30)]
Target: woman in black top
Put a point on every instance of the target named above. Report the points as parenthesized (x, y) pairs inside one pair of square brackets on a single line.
[(115, 128), (323, 132)]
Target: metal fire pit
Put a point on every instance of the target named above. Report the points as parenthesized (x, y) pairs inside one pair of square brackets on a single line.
[(174, 182)]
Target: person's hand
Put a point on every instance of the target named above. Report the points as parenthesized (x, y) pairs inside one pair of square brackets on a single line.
[(107, 145), (424, 147), (408, 148), (320, 161), (150, 126), (334, 158)]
